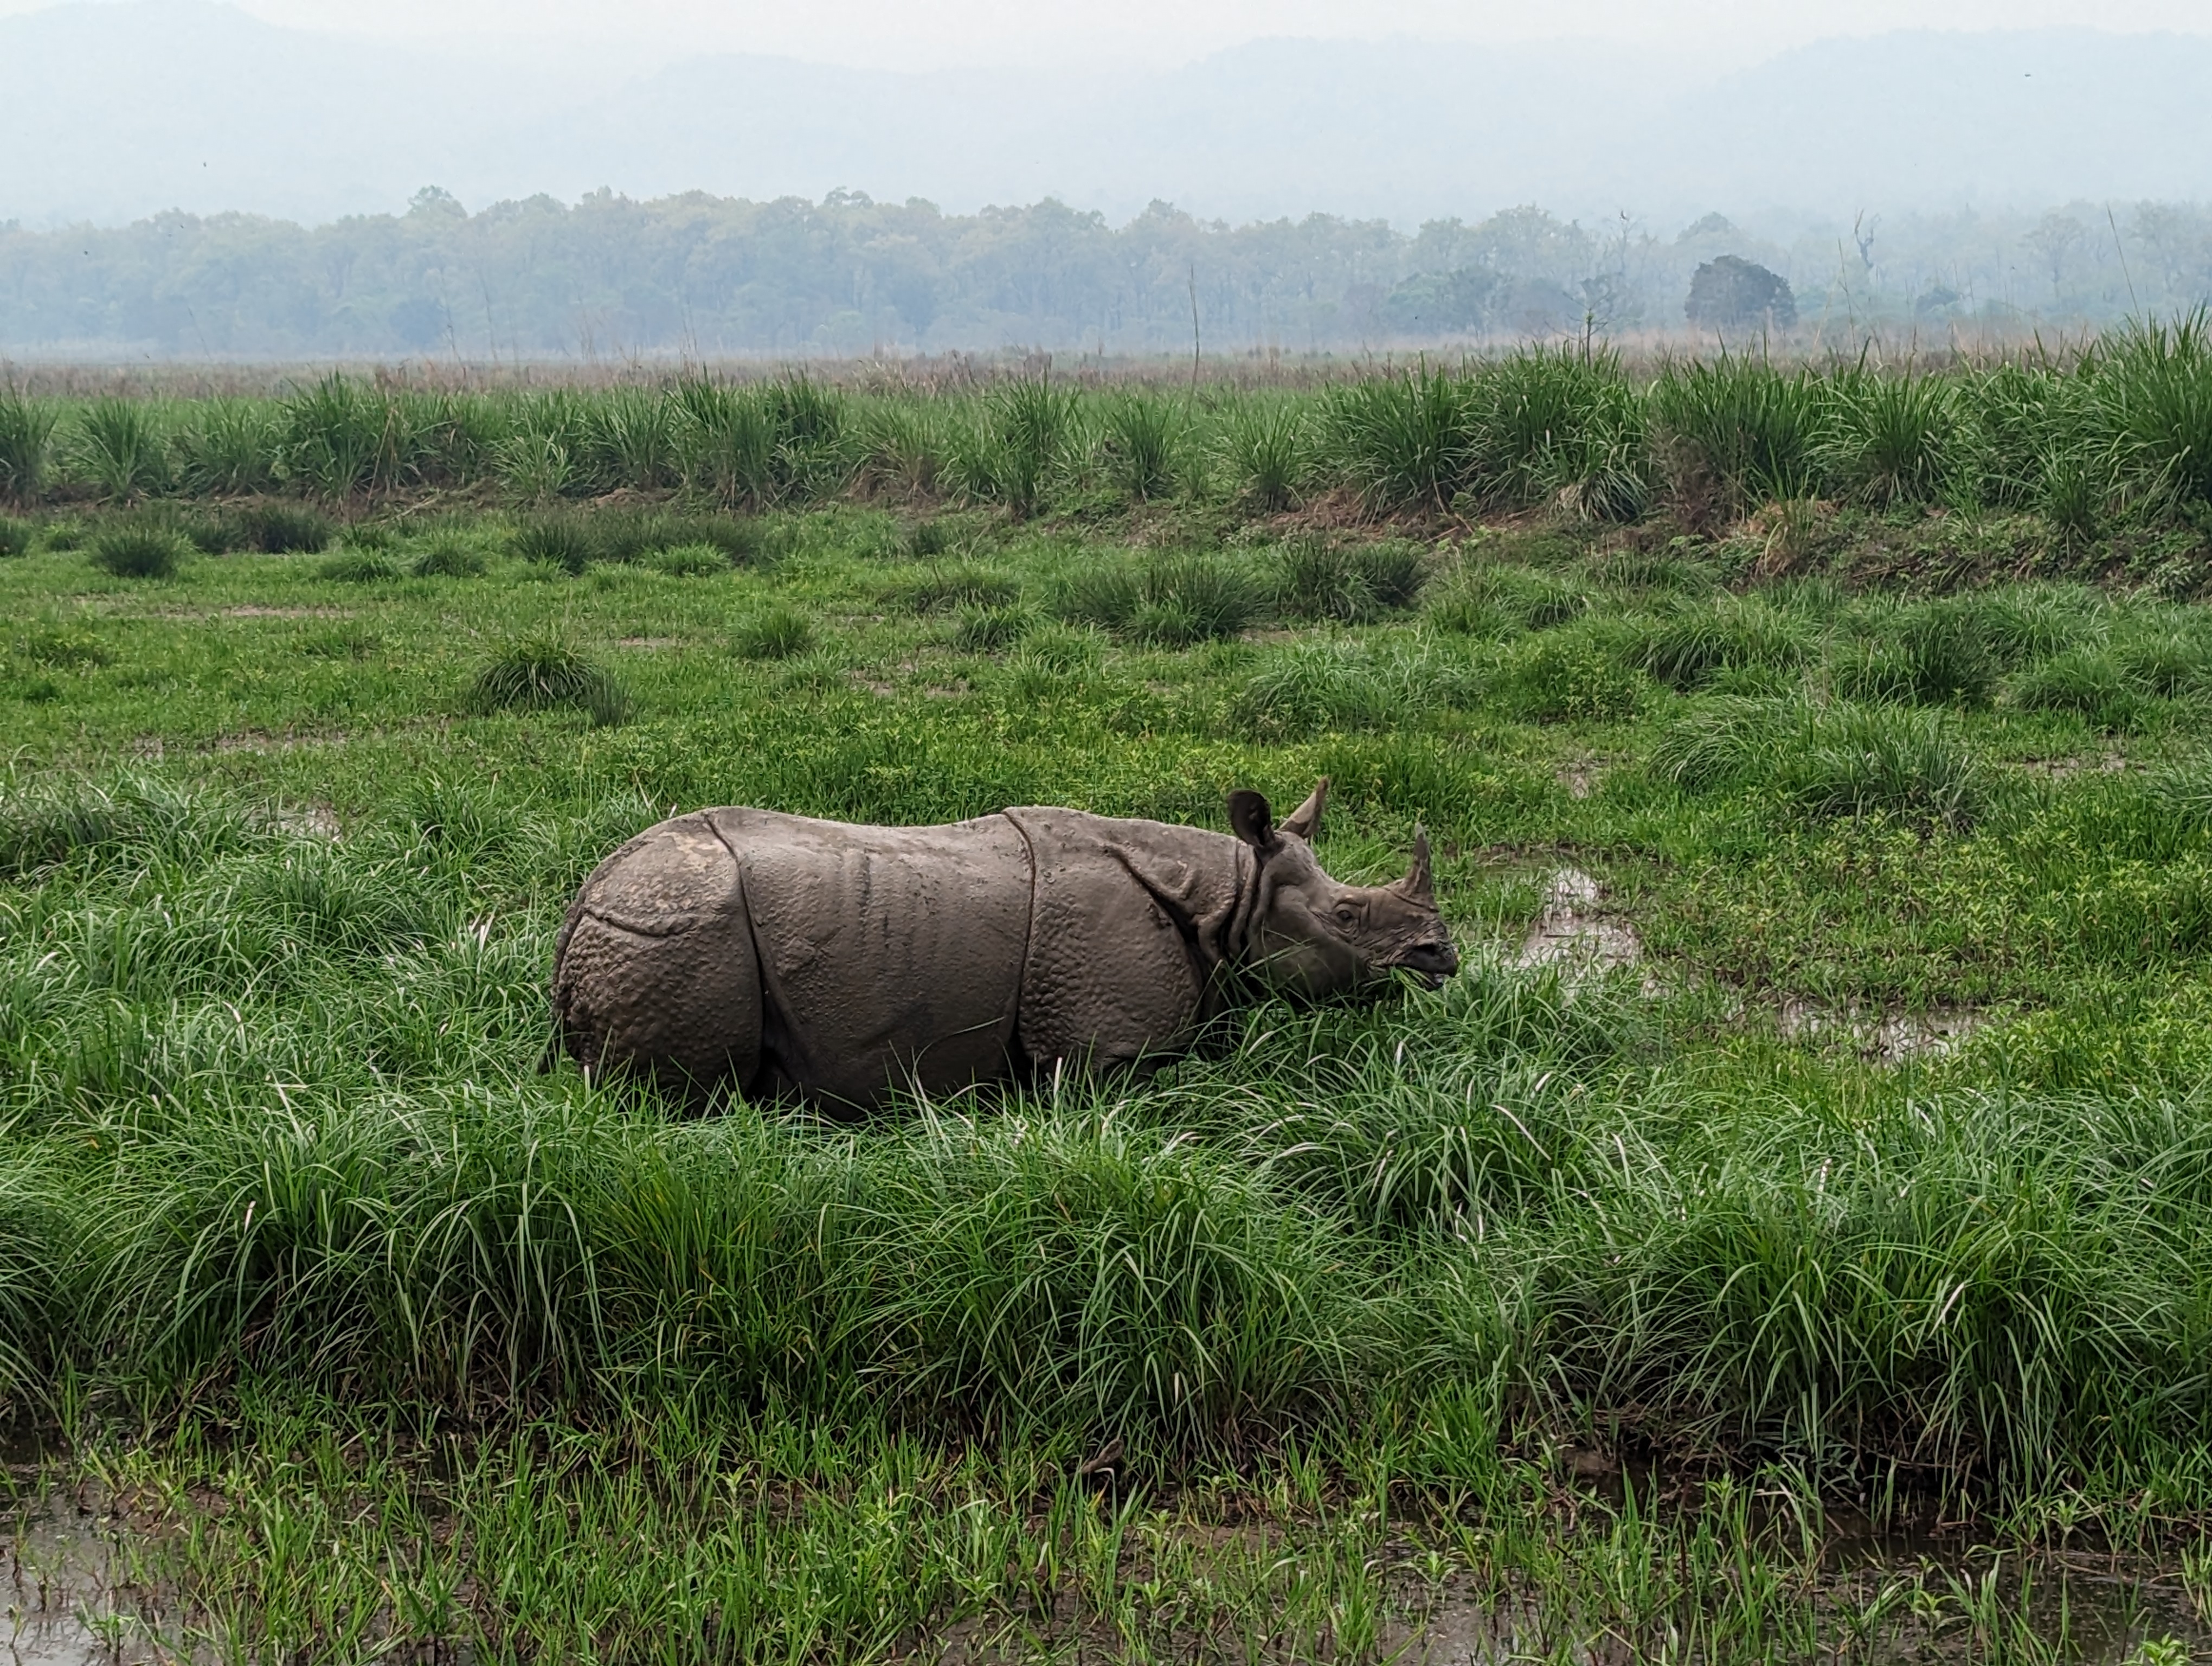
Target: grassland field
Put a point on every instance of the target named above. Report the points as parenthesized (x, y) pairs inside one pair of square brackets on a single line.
[(1790, 1236)]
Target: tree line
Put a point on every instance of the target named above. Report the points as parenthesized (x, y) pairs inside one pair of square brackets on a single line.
[(610, 277)]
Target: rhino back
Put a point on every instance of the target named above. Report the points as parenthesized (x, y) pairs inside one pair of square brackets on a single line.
[(887, 954), (1132, 923)]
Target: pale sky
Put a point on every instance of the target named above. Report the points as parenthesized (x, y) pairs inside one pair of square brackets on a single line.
[(919, 33)]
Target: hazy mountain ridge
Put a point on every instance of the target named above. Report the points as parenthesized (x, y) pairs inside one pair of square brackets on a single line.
[(119, 111)]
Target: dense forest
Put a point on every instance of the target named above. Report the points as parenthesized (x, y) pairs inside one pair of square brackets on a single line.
[(610, 278)]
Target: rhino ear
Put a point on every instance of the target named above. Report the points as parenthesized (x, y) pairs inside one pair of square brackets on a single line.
[(1250, 819), (1418, 885), (1306, 820)]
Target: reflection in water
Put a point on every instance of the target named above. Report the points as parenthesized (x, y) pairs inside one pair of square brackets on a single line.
[(61, 1610), (1833, 1588)]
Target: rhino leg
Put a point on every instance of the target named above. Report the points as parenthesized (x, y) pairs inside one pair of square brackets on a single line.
[(656, 968)]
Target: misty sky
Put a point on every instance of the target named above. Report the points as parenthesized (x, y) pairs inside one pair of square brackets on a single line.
[(931, 33)]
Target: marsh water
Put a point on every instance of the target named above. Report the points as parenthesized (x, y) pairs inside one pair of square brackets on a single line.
[(71, 1602)]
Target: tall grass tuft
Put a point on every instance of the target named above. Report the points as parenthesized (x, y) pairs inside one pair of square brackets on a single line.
[(1344, 685), (690, 561), (1894, 439), (926, 538), (1561, 423), (1317, 579), (227, 447), (627, 534), (14, 536), (2073, 488), (139, 551), (2156, 387), (991, 627), (726, 439), (26, 429), (633, 438), (1144, 437), (561, 539), (1691, 645), (1935, 652), (1833, 760), (1734, 432), (545, 672), (905, 447), (2088, 682), (341, 437), (1485, 598), (281, 529), (448, 554), (1406, 442), (121, 445), (2172, 664), (777, 632), (1169, 600), (812, 425), (943, 588), (1022, 437), (1266, 447)]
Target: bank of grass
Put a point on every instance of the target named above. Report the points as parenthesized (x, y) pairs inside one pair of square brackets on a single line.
[(2100, 446), (1342, 1320)]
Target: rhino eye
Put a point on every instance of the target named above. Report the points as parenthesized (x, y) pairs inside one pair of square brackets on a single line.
[(1347, 914)]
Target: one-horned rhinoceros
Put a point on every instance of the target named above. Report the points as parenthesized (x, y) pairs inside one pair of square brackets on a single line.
[(784, 954)]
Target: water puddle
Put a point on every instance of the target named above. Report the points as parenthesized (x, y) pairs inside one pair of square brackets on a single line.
[(1605, 1598), (310, 821), (1574, 933), (1929, 1613), (261, 741), (1580, 777), (61, 1599), (2058, 768), (1880, 1036)]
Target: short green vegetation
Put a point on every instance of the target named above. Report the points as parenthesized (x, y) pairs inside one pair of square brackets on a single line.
[(1817, 1141)]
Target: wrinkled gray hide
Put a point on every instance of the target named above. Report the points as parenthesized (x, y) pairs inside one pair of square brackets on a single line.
[(786, 954)]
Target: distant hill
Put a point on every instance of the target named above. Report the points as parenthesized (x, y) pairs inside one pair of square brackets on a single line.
[(1926, 120), (113, 111)]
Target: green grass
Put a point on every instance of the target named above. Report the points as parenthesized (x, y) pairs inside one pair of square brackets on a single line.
[(1019, 443), (448, 556), (2099, 452), (26, 428), (1354, 1317), (280, 529), (360, 566), (1167, 599), (773, 632), (1835, 760), (119, 446), (1143, 445), (147, 551), (545, 672), (1266, 448)]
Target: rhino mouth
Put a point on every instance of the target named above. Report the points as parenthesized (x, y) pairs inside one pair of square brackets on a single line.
[(1430, 963)]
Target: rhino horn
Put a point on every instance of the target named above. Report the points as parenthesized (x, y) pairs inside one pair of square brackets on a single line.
[(1418, 885), (1306, 820)]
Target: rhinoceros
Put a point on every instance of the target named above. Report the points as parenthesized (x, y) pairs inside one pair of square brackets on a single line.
[(785, 955)]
